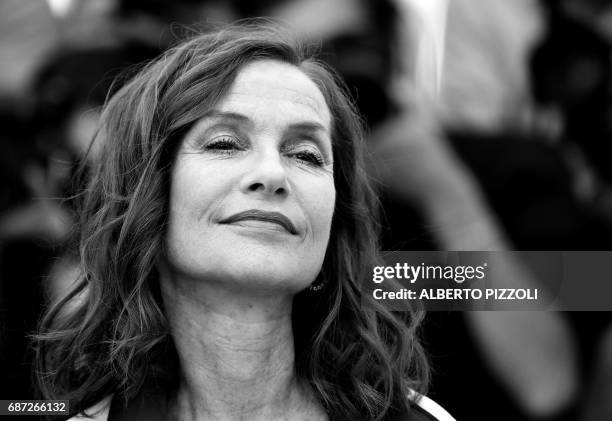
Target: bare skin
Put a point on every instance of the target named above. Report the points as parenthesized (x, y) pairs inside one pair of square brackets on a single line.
[(237, 357)]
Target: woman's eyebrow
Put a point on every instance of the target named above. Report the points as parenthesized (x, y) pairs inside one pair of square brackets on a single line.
[(308, 126), (316, 131), (304, 126)]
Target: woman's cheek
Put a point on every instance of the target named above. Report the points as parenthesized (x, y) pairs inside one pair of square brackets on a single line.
[(323, 208)]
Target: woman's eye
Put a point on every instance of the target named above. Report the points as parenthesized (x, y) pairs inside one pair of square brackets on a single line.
[(309, 157), (224, 145)]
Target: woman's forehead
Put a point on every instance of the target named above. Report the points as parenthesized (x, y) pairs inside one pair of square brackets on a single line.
[(267, 87)]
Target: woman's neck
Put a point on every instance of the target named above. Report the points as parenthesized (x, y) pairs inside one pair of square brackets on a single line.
[(236, 355)]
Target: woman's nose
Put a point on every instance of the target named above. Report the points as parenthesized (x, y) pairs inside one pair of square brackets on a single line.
[(266, 175)]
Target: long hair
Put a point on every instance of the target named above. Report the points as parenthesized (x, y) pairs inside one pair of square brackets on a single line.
[(110, 335)]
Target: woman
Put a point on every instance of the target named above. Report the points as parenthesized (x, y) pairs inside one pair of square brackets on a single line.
[(225, 233)]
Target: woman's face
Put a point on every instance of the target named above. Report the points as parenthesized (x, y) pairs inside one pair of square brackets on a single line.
[(252, 188)]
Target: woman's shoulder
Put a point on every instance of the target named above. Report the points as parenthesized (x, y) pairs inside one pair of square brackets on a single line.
[(427, 409), (98, 412)]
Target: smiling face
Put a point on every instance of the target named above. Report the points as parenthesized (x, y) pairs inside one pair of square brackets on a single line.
[(252, 189)]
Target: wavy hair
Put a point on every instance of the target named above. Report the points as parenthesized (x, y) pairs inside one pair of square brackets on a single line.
[(110, 335)]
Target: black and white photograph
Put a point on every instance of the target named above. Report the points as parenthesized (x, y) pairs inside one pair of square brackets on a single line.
[(343, 210)]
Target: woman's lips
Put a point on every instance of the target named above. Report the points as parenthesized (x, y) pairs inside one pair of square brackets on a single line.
[(259, 215)]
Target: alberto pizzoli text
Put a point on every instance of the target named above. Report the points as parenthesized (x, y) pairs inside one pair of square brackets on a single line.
[(457, 294)]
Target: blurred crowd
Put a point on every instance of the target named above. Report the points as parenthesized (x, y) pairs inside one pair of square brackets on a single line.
[(489, 126)]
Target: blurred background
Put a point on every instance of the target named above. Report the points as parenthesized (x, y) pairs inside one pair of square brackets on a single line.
[(490, 128)]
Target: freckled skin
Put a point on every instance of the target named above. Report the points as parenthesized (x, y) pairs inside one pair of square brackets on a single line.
[(253, 152)]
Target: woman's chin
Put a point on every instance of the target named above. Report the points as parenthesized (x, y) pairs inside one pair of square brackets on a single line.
[(247, 270), (267, 280), (247, 278)]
